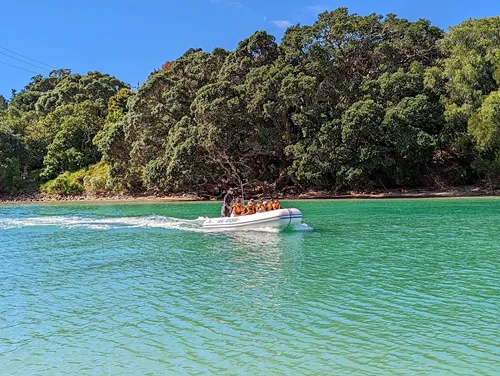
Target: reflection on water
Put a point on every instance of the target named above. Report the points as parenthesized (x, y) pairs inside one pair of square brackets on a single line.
[(261, 261)]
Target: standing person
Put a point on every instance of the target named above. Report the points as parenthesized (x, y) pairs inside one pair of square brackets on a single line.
[(226, 209)]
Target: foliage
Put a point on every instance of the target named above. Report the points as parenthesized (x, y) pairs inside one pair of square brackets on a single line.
[(349, 102), (38, 111), (484, 124), (3, 103), (12, 152), (97, 179), (65, 184), (470, 71), (94, 179), (110, 140), (72, 147)]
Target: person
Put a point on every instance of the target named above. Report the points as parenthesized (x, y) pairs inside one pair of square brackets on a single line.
[(226, 204), (251, 208), (276, 204), (238, 208), (266, 206), (261, 206), (270, 205)]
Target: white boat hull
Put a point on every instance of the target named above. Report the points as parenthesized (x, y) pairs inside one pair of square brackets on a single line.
[(281, 219)]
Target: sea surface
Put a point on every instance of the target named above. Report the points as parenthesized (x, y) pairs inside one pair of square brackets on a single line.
[(366, 287)]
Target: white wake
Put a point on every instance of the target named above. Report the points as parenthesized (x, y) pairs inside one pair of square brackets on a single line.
[(153, 221)]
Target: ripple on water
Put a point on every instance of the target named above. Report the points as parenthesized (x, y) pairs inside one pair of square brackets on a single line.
[(391, 287)]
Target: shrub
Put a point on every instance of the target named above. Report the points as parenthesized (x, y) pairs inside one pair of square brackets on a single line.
[(65, 184), (92, 180), (97, 178)]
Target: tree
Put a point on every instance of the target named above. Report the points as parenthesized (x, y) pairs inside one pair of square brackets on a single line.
[(72, 147), (183, 166), (484, 124), (411, 133), (363, 149), (223, 130), (361, 65), (111, 141), (258, 50), (470, 72), (12, 152), (3, 103), (471, 67), (349, 102), (75, 88), (159, 111)]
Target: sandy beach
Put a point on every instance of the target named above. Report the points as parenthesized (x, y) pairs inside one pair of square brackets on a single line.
[(27, 198)]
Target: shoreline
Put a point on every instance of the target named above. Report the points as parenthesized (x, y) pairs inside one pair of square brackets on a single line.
[(38, 198)]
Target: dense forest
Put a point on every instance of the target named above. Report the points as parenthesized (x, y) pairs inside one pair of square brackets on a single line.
[(349, 103)]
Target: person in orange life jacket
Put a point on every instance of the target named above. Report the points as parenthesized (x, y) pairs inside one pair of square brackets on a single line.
[(276, 204), (261, 206), (251, 208), (270, 205), (238, 208)]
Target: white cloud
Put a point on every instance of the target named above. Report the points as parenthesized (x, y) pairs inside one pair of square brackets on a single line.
[(282, 24), (316, 8)]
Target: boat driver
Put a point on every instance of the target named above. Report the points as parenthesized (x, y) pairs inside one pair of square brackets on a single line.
[(227, 203)]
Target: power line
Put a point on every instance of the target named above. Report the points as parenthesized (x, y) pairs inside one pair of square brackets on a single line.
[(26, 62), (27, 70), (26, 57)]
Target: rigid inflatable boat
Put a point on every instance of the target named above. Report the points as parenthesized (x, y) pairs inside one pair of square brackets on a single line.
[(282, 219)]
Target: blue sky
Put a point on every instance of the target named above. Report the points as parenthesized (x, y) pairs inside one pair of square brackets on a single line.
[(130, 38)]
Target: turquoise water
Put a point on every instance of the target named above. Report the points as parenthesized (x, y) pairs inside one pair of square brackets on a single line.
[(389, 287)]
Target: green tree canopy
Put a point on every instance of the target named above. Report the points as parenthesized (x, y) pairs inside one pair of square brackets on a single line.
[(349, 102)]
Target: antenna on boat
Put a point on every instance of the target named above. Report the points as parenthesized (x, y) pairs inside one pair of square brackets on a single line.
[(242, 194)]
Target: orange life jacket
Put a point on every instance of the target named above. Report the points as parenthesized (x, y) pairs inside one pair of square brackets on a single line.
[(261, 206), (250, 209), (276, 206), (270, 206), (237, 209)]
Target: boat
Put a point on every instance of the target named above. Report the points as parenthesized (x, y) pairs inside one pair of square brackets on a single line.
[(281, 219)]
